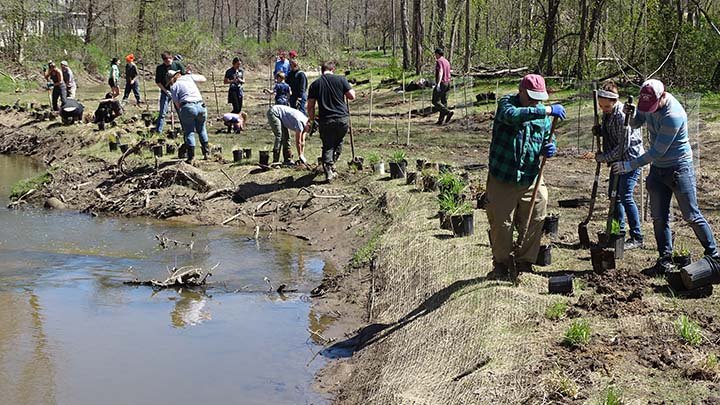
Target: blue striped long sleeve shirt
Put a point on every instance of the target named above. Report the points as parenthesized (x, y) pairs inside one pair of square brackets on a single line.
[(668, 135)]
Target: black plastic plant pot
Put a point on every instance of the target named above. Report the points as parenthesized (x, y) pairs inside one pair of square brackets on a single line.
[(113, 146), (444, 221), (412, 178), (550, 226), (682, 260), (544, 257), (182, 152), (602, 259), (703, 272), (124, 147), (462, 225), (237, 155), (429, 183), (264, 157), (560, 284), (420, 164), (398, 169), (443, 168), (482, 200), (170, 148), (157, 150), (247, 153)]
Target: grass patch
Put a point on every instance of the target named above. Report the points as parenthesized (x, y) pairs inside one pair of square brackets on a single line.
[(363, 255), (612, 396), (562, 385), (23, 186), (578, 334), (556, 310), (688, 330)]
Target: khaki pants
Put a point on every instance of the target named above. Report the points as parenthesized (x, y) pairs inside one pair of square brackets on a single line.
[(508, 204)]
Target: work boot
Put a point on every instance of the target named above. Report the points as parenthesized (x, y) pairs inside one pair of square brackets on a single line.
[(663, 265), (524, 267), (499, 271), (329, 172), (190, 154), (449, 115), (633, 243), (276, 156), (441, 119), (204, 147)]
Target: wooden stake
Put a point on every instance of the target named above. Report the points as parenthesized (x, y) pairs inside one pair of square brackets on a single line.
[(217, 104), (409, 117), (371, 103)]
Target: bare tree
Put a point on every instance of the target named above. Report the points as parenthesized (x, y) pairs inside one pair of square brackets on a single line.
[(405, 33), (418, 35)]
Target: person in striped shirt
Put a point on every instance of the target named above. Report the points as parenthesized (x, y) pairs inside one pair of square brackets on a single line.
[(671, 169), (620, 145)]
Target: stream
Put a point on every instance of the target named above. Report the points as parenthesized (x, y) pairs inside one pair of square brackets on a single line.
[(72, 333)]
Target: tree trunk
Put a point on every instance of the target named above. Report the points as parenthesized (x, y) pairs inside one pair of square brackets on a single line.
[(418, 35), (259, 20), (545, 62), (466, 64), (442, 23), (394, 28), (141, 20), (582, 40), (405, 25), (89, 21)]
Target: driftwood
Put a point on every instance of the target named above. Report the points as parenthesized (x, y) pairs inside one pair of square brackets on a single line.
[(21, 199), (195, 178), (488, 74), (166, 242), (133, 149), (182, 277)]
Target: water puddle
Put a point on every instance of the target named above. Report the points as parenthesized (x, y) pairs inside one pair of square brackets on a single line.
[(74, 334)]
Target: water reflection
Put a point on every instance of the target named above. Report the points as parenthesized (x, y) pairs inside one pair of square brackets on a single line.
[(189, 309)]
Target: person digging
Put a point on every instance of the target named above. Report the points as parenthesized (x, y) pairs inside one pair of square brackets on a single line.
[(613, 133), (521, 135), (671, 169), (282, 120), (189, 104)]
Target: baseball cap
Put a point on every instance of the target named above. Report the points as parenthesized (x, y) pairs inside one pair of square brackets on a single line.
[(293, 54), (64, 63), (650, 94), (535, 86)]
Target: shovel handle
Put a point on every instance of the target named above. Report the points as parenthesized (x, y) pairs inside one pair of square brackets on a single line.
[(350, 129)]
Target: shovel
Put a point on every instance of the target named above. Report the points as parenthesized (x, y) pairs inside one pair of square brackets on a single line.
[(616, 178), (356, 161), (582, 226), (523, 232)]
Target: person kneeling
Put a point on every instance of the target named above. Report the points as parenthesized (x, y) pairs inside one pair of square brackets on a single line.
[(107, 111), (235, 122), (71, 111)]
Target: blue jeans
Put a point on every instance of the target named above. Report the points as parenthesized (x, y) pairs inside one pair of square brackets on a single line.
[(299, 103), (662, 184), (165, 102), (135, 88), (192, 120), (625, 203)]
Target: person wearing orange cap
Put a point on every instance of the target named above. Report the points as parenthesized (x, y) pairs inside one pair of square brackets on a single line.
[(131, 79)]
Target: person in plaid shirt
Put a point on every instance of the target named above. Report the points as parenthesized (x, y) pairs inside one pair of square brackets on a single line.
[(520, 136), (620, 145)]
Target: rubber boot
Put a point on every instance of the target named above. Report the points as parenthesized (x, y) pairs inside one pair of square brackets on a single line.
[(205, 150), (441, 119), (287, 157), (190, 154), (276, 156)]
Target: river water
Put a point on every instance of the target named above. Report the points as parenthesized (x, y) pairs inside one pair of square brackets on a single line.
[(72, 333)]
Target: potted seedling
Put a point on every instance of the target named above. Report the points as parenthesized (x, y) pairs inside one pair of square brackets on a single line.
[(681, 257), (264, 158), (375, 161), (544, 257), (237, 155), (550, 226), (448, 204), (462, 219), (450, 183), (398, 165), (429, 180)]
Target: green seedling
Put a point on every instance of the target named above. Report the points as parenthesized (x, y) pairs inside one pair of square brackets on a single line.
[(615, 227), (556, 311), (562, 385), (578, 334), (711, 362), (612, 396), (451, 205), (448, 182), (398, 157), (682, 252), (373, 158), (688, 330)]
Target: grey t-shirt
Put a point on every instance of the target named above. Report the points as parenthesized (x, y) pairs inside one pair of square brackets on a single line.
[(291, 118), (185, 90)]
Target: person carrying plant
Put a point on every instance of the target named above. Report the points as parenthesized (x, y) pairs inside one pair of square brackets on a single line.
[(329, 93), (69, 79), (132, 79), (114, 77), (235, 77), (442, 86), (161, 80), (281, 90), (282, 119), (671, 169), (521, 132), (620, 145), (297, 80), (59, 89)]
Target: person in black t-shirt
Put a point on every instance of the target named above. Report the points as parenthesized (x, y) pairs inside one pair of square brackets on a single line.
[(297, 80), (235, 77), (329, 93), (71, 111), (132, 81)]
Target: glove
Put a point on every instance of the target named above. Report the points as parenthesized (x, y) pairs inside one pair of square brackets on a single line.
[(549, 150), (600, 158), (620, 167), (557, 110), (596, 130), (437, 87), (629, 110)]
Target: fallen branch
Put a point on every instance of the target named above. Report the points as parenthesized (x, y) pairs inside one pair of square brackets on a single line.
[(103, 196), (228, 177), (20, 200), (181, 277), (232, 218), (216, 193)]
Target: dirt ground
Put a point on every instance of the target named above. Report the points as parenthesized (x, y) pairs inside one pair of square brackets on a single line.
[(416, 319)]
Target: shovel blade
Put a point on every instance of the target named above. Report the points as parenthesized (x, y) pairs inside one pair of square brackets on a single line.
[(584, 236)]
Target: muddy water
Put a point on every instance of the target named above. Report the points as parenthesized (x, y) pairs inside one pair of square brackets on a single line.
[(72, 333)]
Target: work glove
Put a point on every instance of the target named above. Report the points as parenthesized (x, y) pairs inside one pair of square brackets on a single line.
[(620, 168), (600, 158), (437, 87), (557, 110), (596, 130), (549, 150), (629, 110)]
